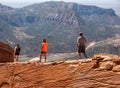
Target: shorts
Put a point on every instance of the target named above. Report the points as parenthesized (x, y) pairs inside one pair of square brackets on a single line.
[(81, 49), (43, 52), (17, 54)]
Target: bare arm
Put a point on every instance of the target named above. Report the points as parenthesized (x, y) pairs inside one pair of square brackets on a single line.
[(76, 45)]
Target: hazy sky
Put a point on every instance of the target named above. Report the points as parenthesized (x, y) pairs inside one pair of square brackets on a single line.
[(115, 4)]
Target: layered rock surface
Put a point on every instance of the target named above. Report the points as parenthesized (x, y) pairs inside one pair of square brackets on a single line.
[(101, 71), (6, 53)]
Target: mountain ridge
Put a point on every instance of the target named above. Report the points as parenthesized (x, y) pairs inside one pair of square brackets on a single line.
[(60, 23)]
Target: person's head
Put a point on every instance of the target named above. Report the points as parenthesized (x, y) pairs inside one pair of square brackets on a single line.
[(44, 40), (81, 34), (17, 45)]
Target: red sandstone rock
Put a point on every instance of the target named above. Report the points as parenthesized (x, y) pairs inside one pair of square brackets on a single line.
[(6, 53), (78, 74), (116, 68)]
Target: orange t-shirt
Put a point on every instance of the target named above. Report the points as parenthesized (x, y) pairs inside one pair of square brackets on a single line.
[(44, 47)]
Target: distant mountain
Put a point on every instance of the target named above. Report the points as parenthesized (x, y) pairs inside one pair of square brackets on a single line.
[(4, 8), (58, 22), (111, 46)]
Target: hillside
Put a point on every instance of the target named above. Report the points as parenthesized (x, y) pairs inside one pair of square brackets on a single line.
[(111, 46), (58, 22), (102, 71)]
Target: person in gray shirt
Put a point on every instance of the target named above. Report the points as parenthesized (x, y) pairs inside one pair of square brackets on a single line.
[(80, 45)]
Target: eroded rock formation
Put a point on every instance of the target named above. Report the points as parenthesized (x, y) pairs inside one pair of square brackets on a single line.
[(6, 53), (102, 71)]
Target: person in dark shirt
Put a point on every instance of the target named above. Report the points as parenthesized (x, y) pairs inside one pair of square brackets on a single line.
[(17, 52), (81, 43)]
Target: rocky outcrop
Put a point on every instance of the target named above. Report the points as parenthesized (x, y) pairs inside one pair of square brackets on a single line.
[(102, 71), (6, 53)]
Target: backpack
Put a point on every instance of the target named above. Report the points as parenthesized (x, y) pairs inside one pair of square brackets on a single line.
[(82, 41)]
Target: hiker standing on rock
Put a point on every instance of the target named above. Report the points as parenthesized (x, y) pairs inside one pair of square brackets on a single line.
[(44, 49), (17, 52), (80, 45)]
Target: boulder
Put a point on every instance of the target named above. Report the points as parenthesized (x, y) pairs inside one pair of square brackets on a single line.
[(6, 53), (108, 65), (116, 60), (98, 57), (116, 68)]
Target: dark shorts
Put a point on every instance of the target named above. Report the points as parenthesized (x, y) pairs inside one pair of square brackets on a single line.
[(17, 54), (43, 52), (81, 49)]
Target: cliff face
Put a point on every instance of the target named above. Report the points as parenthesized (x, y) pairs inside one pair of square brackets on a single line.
[(6, 53), (100, 71)]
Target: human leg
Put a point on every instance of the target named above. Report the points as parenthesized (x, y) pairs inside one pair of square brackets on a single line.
[(45, 57), (85, 55), (40, 56), (79, 54), (83, 51), (16, 57)]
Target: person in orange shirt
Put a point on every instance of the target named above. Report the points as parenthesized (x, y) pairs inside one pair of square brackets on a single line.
[(44, 49)]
